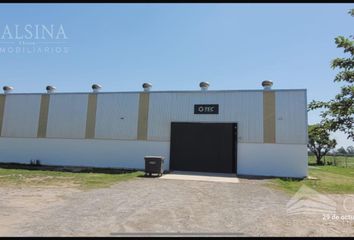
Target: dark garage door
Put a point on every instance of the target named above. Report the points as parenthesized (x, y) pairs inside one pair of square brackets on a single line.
[(203, 147)]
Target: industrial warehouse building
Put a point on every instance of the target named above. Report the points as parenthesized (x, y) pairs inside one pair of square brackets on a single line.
[(246, 132)]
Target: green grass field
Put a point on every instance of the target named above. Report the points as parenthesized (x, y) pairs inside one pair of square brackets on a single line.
[(330, 179), (85, 181)]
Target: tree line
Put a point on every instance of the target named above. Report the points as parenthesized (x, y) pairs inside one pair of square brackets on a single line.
[(336, 114)]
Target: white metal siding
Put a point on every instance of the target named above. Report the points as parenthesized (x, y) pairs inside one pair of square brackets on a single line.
[(21, 116), (285, 160), (82, 152), (117, 116), (281, 160), (67, 116), (245, 108), (291, 117)]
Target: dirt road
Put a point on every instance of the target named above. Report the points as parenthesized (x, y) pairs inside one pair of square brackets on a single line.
[(152, 205)]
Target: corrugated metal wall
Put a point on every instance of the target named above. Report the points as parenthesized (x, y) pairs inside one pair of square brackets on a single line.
[(291, 117), (117, 116), (67, 116), (21, 116), (245, 108)]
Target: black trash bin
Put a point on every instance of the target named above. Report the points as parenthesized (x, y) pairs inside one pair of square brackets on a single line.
[(154, 164)]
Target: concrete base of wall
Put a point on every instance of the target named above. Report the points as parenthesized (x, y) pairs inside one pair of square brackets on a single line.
[(283, 160), (280, 160), (82, 152)]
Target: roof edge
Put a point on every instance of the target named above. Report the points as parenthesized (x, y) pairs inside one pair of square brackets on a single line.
[(166, 91)]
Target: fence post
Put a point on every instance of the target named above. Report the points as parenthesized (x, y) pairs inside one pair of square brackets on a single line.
[(346, 161)]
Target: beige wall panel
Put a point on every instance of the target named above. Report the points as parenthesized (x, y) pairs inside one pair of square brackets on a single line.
[(269, 117), (43, 116), (143, 116), (2, 109), (91, 116)]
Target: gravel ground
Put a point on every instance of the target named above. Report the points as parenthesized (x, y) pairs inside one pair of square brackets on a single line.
[(153, 205)]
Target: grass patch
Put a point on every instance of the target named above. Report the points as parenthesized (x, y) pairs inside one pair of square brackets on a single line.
[(330, 179), (85, 181)]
